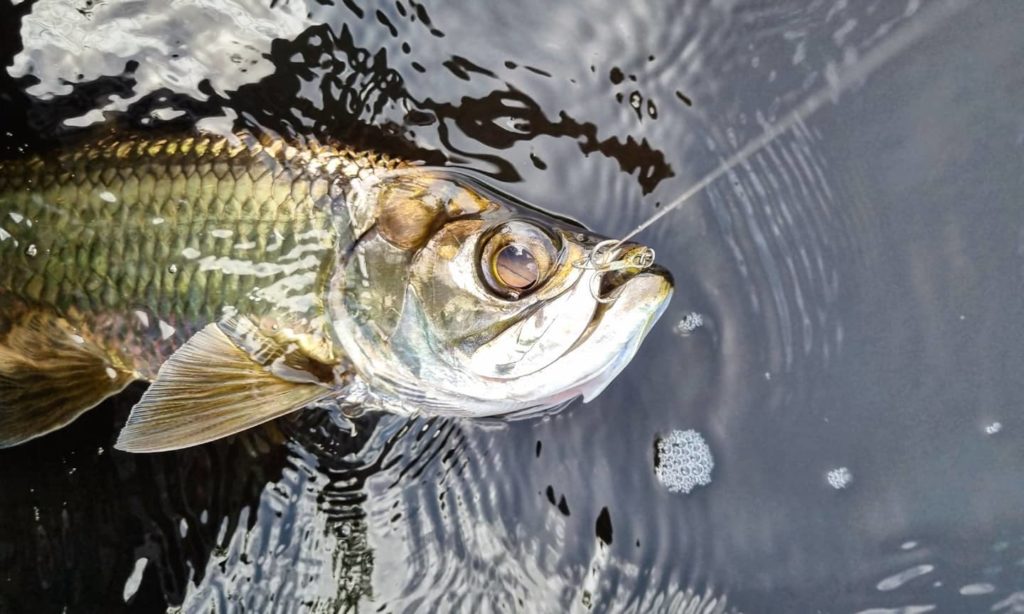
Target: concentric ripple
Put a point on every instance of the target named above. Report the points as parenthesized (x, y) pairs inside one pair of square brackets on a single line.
[(845, 337)]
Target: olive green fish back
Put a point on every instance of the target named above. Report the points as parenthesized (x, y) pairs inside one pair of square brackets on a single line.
[(181, 227)]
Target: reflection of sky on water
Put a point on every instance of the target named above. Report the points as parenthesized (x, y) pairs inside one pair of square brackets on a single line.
[(857, 284), (176, 45)]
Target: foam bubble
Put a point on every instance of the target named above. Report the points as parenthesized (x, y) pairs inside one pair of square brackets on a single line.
[(839, 478), (691, 322), (683, 461)]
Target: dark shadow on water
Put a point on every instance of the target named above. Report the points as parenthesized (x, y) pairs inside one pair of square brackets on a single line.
[(77, 514)]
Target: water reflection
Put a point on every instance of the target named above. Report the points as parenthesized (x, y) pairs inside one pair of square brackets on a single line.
[(857, 284), (184, 46), (78, 515)]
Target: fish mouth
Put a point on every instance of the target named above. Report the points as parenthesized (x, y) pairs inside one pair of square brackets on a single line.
[(645, 289), (613, 282), (640, 293), (622, 320)]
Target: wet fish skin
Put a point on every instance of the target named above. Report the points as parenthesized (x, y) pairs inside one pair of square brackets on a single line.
[(150, 240), (115, 254)]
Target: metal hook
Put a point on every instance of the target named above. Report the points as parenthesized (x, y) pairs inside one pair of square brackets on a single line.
[(596, 261), (600, 263), (643, 258)]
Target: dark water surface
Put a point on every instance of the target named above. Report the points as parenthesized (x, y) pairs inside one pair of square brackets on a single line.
[(857, 375)]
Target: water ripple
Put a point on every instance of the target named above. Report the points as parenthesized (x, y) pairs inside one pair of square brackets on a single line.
[(848, 277)]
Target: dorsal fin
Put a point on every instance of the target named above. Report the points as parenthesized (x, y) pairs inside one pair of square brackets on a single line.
[(50, 374), (227, 378)]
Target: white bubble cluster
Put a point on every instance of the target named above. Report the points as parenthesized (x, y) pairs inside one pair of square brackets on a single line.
[(993, 428), (684, 461), (839, 478), (690, 323)]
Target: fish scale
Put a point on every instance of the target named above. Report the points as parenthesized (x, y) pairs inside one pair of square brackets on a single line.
[(179, 230)]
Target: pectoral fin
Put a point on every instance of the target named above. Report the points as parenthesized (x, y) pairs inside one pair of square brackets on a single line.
[(227, 378), (49, 374)]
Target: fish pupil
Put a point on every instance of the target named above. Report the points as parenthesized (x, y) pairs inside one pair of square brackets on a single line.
[(515, 267)]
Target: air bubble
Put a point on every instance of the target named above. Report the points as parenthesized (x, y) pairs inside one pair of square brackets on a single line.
[(839, 478), (683, 461), (689, 323)]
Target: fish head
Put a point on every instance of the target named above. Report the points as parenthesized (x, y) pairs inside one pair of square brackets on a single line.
[(458, 300)]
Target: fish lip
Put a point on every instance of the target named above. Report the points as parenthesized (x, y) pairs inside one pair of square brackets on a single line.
[(654, 270), (613, 281), (657, 269)]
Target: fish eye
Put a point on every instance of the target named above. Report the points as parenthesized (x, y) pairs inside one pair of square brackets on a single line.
[(516, 258)]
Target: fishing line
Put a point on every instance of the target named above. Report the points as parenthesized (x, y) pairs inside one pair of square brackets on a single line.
[(836, 83)]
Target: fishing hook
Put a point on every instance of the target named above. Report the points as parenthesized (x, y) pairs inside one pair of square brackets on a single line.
[(600, 261)]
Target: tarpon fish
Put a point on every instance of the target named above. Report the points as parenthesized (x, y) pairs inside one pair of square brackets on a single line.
[(247, 277)]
